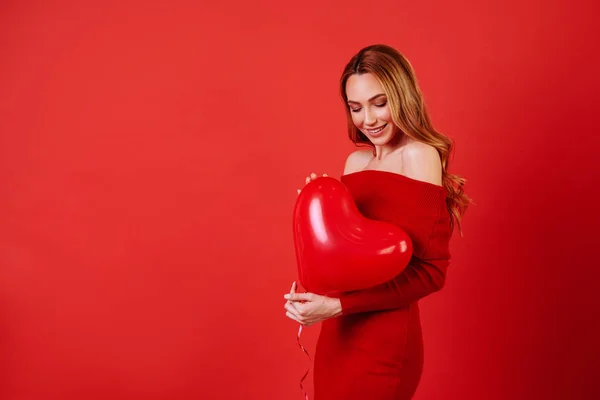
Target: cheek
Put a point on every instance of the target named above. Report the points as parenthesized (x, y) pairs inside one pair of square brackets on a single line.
[(384, 114), (357, 119)]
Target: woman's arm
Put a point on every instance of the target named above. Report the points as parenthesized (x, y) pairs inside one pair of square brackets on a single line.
[(419, 279), (422, 276)]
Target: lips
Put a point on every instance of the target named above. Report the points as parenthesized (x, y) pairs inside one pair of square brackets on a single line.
[(376, 130)]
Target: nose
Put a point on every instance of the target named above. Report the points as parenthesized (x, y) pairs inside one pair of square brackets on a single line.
[(370, 117)]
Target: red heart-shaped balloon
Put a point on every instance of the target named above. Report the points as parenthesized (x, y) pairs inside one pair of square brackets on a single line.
[(337, 248)]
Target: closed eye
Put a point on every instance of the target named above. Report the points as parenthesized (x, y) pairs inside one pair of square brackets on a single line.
[(355, 110)]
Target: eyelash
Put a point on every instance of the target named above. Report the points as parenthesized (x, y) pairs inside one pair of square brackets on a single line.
[(376, 105)]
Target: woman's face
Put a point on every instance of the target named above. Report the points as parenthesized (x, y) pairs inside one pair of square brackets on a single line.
[(369, 108)]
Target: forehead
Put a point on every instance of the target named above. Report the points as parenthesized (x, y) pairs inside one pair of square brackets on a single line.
[(362, 87)]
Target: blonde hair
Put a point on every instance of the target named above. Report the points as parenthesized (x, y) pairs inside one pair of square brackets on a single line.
[(407, 107)]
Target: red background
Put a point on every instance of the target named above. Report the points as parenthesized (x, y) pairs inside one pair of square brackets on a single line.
[(149, 160)]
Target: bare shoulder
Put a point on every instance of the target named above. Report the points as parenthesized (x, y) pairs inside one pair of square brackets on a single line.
[(422, 162), (357, 160)]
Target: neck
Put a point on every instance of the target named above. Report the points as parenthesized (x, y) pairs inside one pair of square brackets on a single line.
[(397, 142)]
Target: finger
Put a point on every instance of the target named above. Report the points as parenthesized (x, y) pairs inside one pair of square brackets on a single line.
[(324, 174), (301, 311), (299, 296), (289, 307), (307, 179), (293, 317), (293, 305), (293, 291), (313, 176), (298, 190)]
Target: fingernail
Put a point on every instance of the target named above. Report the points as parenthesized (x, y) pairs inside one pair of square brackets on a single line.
[(287, 296)]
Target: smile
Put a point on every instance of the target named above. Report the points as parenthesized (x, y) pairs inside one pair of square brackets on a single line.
[(377, 130)]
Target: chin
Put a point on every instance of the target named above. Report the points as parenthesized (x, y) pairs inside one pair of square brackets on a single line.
[(380, 141)]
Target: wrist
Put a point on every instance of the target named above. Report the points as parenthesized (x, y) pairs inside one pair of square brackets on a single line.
[(336, 307)]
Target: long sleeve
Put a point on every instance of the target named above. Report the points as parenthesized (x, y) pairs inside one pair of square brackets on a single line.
[(425, 273), (419, 279), (418, 208)]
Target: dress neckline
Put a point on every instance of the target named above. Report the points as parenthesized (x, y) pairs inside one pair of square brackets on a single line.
[(394, 174)]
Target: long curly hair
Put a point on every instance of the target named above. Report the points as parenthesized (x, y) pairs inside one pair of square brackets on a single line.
[(407, 106)]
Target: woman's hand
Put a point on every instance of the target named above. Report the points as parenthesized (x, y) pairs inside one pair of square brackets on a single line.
[(310, 308), (312, 177)]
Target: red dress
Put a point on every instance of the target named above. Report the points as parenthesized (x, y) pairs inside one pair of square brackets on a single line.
[(374, 351)]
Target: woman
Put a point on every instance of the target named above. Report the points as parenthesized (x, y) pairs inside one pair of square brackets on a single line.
[(370, 345)]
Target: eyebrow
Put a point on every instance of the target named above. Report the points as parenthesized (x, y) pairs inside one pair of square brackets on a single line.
[(372, 98)]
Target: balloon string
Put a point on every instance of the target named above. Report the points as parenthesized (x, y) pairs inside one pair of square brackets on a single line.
[(308, 370)]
